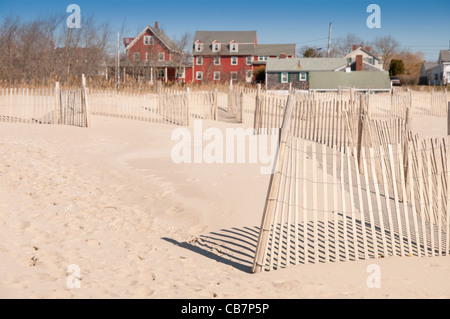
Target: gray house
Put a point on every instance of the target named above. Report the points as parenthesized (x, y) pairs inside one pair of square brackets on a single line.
[(323, 74), (282, 74)]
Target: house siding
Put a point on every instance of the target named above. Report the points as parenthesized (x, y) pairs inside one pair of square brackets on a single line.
[(273, 82), (225, 68)]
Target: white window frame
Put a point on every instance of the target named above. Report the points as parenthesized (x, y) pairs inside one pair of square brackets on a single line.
[(248, 60), (161, 56), (234, 75), (284, 77), (234, 57), (199, 75), (161, 74), (302, 76), (218, 77), (217, 60), (234, 47), (199, 47), (199, 60), (148, 40), (137, 56), (214, 47)]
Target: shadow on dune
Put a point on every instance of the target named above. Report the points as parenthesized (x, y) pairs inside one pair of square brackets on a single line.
[(234, 247)]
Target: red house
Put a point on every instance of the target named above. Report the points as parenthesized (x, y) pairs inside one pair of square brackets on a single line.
[(153, 56), (219, 56)]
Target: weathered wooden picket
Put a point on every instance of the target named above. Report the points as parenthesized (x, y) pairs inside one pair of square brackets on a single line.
[(335, 202), (45, 106)]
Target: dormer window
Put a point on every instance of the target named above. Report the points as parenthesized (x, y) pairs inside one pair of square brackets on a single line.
[(215, 46), (198, 46), (233, 47)]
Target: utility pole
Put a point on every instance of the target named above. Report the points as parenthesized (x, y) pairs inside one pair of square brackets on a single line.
[(329, 41)]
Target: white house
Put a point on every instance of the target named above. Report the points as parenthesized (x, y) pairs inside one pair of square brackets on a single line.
[(437, 73), (371, 61)]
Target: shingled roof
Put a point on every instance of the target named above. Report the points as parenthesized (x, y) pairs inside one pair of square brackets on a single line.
[(363, 80), (305, 64), (246, 40), (161, 35), (444, 56)]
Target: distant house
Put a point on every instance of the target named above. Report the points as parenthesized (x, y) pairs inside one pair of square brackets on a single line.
[(323, 74), (437, 73), (427, 73), (219, 56), (371, 61), (282, 74), (154, 56)]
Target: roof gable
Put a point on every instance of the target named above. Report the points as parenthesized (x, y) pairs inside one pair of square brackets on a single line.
[(164, 39), (444, 56), (361, 49)]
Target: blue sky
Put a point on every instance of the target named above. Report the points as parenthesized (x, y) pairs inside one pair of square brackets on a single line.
[(417, 25)]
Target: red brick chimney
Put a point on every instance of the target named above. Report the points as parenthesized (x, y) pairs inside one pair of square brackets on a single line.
[(355, 47), (359, 63), (283, 56), (156, 25), (368, 49)]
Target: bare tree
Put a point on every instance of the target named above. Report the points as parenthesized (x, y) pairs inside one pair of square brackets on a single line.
[(386, 47)]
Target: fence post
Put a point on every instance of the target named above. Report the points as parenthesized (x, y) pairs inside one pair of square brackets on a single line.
[(57, 117), (241, 109), (361, 120), (447, 155), (257, 106), (85, 101), (274, 185), (187, 105), (216, 96)]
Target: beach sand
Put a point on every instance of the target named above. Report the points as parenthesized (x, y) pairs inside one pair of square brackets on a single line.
[(110, 202)]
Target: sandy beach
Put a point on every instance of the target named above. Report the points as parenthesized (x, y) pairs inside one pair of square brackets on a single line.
[(110, 202)]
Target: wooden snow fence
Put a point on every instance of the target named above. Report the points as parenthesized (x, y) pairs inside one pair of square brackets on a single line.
[(174, 107), (236, 104), (45, 106), (332, 203)]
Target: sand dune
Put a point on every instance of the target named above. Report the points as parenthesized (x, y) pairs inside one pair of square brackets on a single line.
[(110, 201)]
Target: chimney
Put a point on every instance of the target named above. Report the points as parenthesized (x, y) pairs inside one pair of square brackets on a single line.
[(283, 56), (368, 49), (355, 47), (156, 25), (359, 63)]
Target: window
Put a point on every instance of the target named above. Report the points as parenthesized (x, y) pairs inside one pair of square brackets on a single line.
[(302, 76), (448, 77), (249, 60), (198, 47), (284, 77), (199, 75), (233, 47), (137, 56), (217, 60), (161, 73), (262, 58), (216, 47), (234, 60), (216, 76), (234, 75), (161, 56), (199, 60), (148, 40)]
